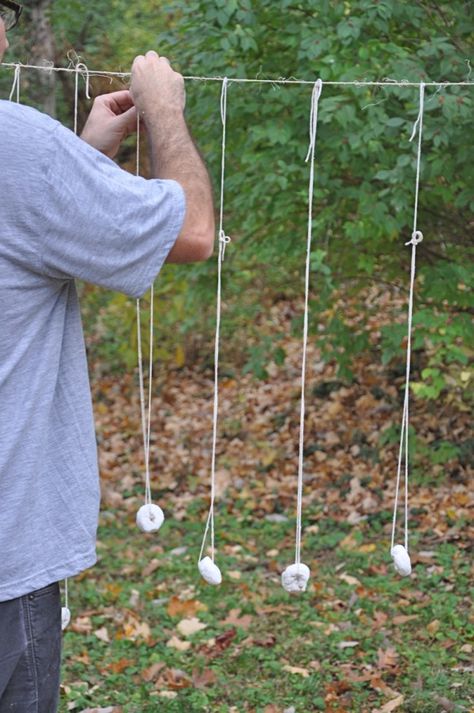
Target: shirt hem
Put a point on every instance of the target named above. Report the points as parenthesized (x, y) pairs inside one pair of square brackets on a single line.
[(47, 576)]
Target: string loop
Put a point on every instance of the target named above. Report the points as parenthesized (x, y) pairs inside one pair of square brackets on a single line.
[(313, 119), (82, 69), (16, 84), (223, 241), (416, 238)]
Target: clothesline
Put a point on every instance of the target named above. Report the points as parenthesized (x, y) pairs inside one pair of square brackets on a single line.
[(386, 82)]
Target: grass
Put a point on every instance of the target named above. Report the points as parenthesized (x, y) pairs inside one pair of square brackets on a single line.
[(354, 597)]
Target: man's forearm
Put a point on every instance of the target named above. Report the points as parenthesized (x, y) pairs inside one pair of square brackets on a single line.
[(175, 156), (159, 96)]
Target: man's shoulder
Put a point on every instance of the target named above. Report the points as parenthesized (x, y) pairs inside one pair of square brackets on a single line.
[(20, 115)]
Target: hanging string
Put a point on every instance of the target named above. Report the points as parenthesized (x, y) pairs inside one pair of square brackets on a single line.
[(16, 84), (145, 412), (224, 240), (78, 69), (313, 127), (76, 104), (83, 69), (416, 238)]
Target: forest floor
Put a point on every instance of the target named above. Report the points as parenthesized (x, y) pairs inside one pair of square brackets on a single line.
[(149, 635)]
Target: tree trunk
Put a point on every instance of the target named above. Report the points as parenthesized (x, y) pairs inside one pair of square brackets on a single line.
[(43, 52)]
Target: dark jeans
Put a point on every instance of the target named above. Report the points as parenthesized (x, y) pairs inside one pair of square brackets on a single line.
[(30, 652)]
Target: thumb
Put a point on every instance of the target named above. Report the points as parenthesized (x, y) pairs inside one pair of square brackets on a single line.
[(127, 122)]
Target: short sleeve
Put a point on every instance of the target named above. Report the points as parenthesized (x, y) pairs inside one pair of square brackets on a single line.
[(102, 224)]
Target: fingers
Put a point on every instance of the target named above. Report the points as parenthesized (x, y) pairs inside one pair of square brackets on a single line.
[(128, 120), (150, 56), (117, 102), (155, 84)]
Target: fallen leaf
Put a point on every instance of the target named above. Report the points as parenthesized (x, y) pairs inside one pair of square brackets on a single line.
[(296, 669), (176, 678), (178, 551), (380, 619), (445, 703), (433, 626), (267, 641), (378, 684), (186, 607), (83, 657), (391, 705), (348, 542), (220, 643), (120, 665), (403, 618), (135, 629), (347, 644), (150, 673), (235, 620), (188, 627), (208, 677), (81, 625), (179, 644), (234, 574), (386, 658), (102, 634), (348, 579), (150, 567)]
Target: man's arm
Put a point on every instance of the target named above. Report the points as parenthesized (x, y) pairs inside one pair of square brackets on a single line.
[(159, 96)]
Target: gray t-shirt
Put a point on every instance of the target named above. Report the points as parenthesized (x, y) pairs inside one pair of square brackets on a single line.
[(66, 212)]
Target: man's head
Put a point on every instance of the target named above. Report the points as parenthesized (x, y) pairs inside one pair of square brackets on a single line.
[(10, 12)]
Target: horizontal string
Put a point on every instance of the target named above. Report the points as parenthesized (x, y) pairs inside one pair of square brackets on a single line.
[(241, 80)]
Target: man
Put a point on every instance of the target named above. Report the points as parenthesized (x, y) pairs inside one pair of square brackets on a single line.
[(68, 211)]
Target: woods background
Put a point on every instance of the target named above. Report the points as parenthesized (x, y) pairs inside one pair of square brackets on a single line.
[(374, 643)]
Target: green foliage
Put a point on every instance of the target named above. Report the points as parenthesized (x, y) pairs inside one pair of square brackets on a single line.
[(365, 169), (365, 164)]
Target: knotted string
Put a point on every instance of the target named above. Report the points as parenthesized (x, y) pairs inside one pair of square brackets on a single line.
[(80, 69), (145, 412), (416, 238), (224, 240), (313, 128), (16, 84)]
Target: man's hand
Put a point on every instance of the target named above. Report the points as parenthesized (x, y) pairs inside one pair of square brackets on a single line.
[(157, 90), (158, 94), (112, 118)]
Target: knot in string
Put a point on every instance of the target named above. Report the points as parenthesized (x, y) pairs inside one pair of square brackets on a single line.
[(224, 240), (224, 99), (313, 119), (416, 238), (16, 83), (76, 64), (83, 69), (419, 120)]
